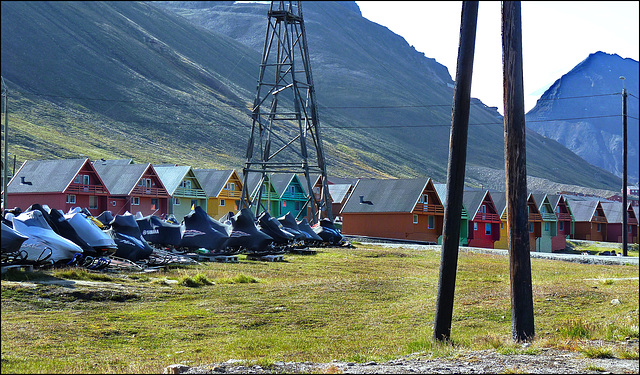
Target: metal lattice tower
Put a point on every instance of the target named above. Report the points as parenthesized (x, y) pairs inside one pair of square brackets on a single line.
[(285, 135)]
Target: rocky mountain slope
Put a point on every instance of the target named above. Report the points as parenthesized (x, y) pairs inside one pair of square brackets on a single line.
[(146, 81), (588, 100)]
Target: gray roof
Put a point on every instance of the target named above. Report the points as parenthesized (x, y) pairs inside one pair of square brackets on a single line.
[(281, 181), (114, 161), (387, 195), (213, 180), (613, 211), (473, 199), (339, 192), (172, 176), (500, 201), (46, 176), (120, 179), (583, 209)]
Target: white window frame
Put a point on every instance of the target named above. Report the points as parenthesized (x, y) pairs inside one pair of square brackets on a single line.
[(176, 201), (85, 179), (431, 222), (475, 226), (78, 179), (487, 229), (135, 201), (561, 226), (71, 198), (148, 182), (222, 203), (415, 219), (230, 186)]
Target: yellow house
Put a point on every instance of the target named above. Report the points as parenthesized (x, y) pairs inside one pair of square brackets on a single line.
[(223, 188), (500, 200)]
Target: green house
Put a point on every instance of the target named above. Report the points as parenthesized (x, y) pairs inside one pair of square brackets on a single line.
[(544, 243), (441, 189), (270, 199), (184, 188), (293, 196)]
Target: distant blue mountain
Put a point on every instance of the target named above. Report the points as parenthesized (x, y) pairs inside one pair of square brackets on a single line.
[(583, 111)]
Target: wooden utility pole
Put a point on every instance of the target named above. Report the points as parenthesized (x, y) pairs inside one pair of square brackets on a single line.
[(516, 174), (455, 171), (625, 230)]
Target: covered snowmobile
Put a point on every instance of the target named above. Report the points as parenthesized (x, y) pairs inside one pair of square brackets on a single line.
[(290, 224), (160, 232), (44, 246), (106, 217), (88, 231), (245, 236), (272, 227), (11, 239), (304, 226), (131, 245), (328, 232), (199, 230)]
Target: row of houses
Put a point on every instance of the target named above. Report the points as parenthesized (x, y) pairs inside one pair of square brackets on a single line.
[(409, 209)]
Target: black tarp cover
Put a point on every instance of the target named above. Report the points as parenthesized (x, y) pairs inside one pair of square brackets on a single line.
[(199, 230), (158, 231), (126, 234), (246, 236)]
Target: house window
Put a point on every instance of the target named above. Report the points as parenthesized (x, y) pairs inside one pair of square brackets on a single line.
[(71, 198), (530, 227), (186, 184), (292, 189), (475, 227), (561, 225), (222, 202), (629, 228), (487, 228), (425, 199), (93, 202), (298, 205), (546, 227), (148, 182), (135, 201), (141, 182), (176, 201), (483, 209), (432, 222), (85, 179), (598, 227), (77, 179), (230, 186), (415, 219), (501, 225), (154, 204)]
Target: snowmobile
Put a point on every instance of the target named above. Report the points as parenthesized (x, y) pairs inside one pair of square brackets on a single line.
[(200, 231), (44, 247), (272, 227), (101, 243), (246, 238), (125, 232), (160, 233), (315, 240)]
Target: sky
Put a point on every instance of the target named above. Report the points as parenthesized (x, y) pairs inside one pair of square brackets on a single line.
[(556, 36)]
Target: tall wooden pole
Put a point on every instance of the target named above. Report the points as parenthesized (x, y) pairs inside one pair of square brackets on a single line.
[(455, 171), (516, 174), (625, 230)]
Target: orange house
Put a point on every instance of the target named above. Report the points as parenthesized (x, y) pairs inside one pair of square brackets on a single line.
[(407, 209), (60, 184), (590, 220)]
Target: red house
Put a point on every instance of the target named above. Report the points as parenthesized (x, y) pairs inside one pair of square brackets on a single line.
[(60, 184), (133, 187), (613, 212), (484, 220)]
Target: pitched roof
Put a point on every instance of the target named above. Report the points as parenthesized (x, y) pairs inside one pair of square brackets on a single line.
[(613, 211), (386, 195), (120, 179), (583, 209), (172, 175), (45, 176), (339, 192), (473, 199), (500, 201), (281, 181), (213, 180)]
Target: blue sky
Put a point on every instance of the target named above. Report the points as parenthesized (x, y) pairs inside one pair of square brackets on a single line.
[(556, 36)]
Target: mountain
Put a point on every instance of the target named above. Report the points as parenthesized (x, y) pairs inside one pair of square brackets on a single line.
[(173, 82), (589, 98)]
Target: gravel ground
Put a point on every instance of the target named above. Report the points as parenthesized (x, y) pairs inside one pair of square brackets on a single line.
[(548, 361)]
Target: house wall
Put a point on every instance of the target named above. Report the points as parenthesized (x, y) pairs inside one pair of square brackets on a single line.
[(478, 236), (559, 242), (390, 225), (23, 201), (545, 241), (503, 241), (588, 231)]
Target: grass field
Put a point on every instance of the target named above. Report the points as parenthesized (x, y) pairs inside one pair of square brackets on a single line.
[(362, 304)]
